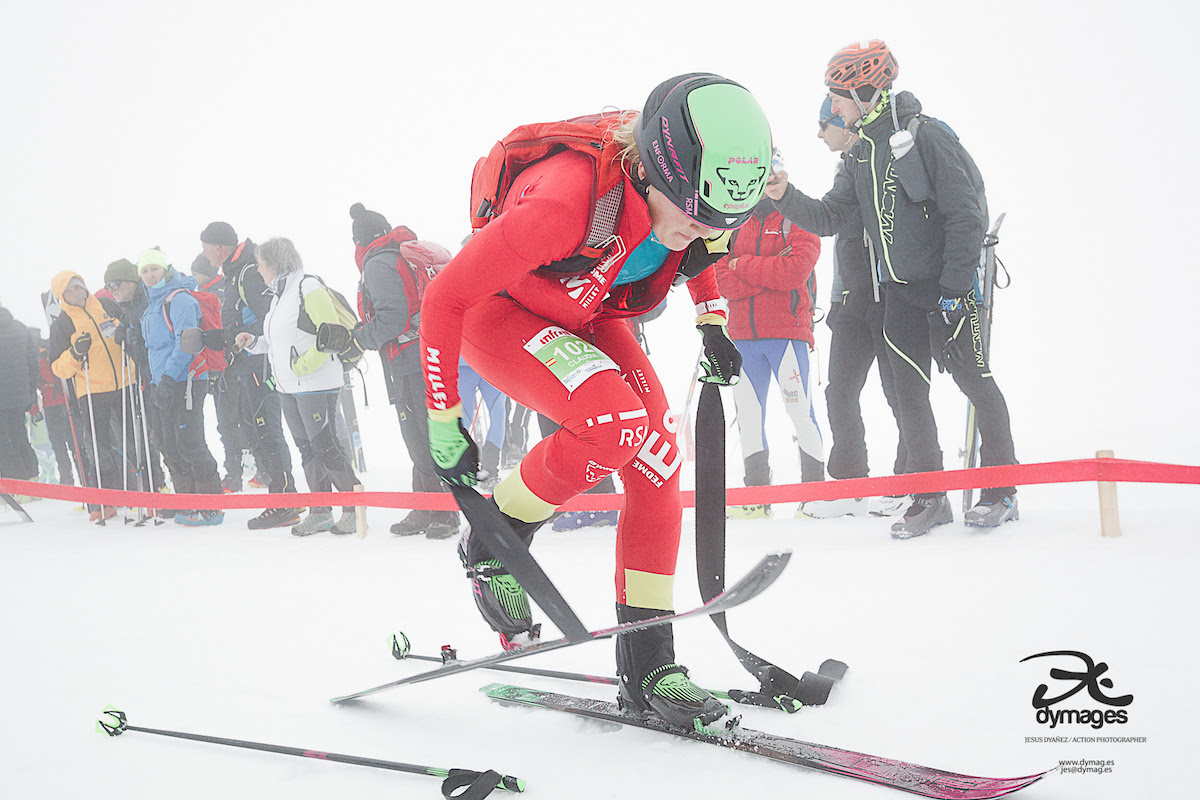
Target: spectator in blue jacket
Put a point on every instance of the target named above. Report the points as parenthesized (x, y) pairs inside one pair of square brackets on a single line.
[(178, 391)]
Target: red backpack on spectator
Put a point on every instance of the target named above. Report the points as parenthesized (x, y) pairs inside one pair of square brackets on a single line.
[(212, 358)]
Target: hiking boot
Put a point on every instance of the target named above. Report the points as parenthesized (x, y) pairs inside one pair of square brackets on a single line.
[(415, 522), (315, 522), (444, 525), (231, 484), (838, 507), (650, 680), (259, 481), (348, 523), (275, 518), (750, 512), (195, 519), (101, 514), (574, 520), (992, 512), (925, 513), (502, 602)]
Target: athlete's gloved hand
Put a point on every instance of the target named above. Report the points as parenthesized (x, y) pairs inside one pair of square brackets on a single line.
[(722, 361), (81, 345), (455, 455), (953, 312)]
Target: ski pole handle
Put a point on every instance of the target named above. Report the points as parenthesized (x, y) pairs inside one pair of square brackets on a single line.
[(478, 785)]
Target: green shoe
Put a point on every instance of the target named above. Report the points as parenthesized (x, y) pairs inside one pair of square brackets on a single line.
[(672, 695), (749, 512)]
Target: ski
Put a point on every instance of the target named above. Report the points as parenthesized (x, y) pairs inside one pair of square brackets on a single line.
[(751, 585), (986, 284), (902, 775), (353, 434), (16, 506), (831, 671)]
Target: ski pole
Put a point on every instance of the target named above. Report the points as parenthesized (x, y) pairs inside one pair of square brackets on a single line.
[(478, 784), (401, 651), (141, 384), (124, 426), (87, 382)]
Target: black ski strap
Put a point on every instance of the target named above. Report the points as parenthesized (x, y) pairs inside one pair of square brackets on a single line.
[(777, 684), (493, 529), (478, 785)]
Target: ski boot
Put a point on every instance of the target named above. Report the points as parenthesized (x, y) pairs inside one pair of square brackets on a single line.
[(995, 507), (650, 680), (750, 512), (501, 601), (926, 512)]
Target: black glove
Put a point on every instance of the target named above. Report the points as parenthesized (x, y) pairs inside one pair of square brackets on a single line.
[(953, 312), (81, 345), (119, 335), (723, 362), (168, 394), (334, 338)]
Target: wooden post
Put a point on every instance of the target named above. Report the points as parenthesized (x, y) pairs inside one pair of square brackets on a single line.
[(1110, 520), (360, 516)]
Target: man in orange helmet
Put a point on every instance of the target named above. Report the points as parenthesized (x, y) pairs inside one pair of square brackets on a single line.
[(920, 197)]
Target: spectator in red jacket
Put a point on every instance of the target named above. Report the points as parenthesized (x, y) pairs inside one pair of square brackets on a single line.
[(768, 279)]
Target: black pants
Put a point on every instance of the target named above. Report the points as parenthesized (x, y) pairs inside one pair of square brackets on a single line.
[(312, 420), (408, 393), (58, 431), (179, 431), (258, 407), (225, 392), (912, 328), (17, 459), (105, 451), (857, 343)]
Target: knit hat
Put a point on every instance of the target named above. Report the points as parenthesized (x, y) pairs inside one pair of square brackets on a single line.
[(152, 257), (219, 233), (368, 225), (121, 270), (202, 266)]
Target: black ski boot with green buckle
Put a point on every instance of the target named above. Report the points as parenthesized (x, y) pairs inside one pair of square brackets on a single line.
[(501, 601), (651, 681)]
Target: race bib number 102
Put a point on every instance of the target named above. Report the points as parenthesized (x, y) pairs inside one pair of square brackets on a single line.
[(571, 359)]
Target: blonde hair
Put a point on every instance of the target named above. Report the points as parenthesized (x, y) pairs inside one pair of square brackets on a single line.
[(622, 135)]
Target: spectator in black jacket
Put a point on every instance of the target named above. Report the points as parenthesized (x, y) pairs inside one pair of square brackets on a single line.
[(920, 197), (18, 382), (247, 378), (390, 307)]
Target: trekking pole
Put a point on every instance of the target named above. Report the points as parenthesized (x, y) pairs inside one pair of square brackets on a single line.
[(141, 384), (124, 428), (87, 382), (143, 512), (478, 784), (67, 391)]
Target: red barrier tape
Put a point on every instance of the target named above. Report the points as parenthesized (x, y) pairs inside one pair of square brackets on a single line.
[(1081, 471)]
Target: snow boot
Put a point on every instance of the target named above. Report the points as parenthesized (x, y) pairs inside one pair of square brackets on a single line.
[(926, 513), (195, 519), (275, 518), (992, 510), (574, 520), (315, 522), (750, 512), (347, 523), (651, 681), (838, 507)]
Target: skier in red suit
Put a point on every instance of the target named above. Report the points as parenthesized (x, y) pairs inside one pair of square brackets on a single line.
[(553, 337)]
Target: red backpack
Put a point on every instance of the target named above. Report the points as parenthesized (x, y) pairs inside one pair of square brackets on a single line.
[(418, 262), (212, 358), (591, 135)]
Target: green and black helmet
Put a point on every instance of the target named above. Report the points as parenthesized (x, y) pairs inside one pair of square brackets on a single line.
[(706, 144)]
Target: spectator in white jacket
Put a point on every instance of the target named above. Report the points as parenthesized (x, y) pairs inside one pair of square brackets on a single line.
[(309, 381)]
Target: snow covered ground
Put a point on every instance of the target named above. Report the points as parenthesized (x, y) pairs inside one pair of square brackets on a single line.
[(137, 123)]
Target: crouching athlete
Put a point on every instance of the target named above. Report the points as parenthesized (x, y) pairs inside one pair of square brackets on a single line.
[(692, 166)]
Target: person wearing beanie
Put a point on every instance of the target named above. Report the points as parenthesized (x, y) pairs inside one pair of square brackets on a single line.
[(125, 300), (910, 175), (177, 390), (856, 321), (247, 399), (83, 350), (388, 296)]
